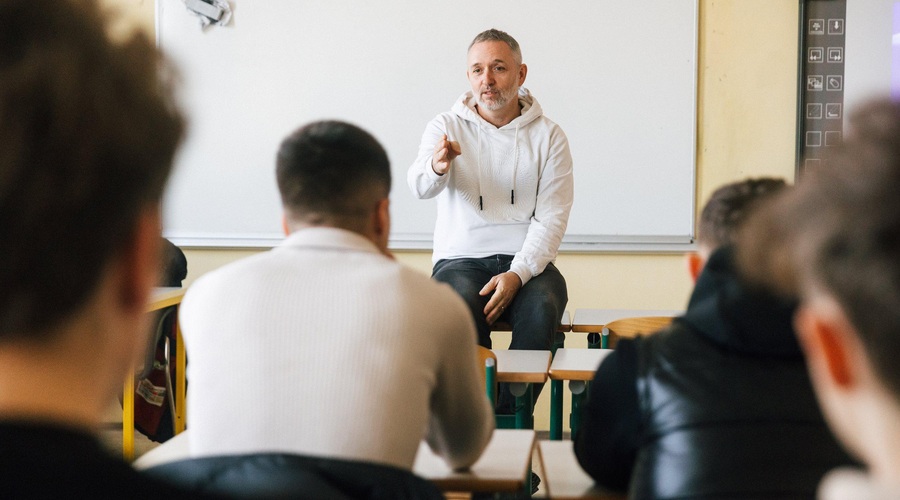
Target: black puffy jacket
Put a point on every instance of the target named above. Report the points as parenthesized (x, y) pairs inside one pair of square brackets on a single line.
[(718, 405)]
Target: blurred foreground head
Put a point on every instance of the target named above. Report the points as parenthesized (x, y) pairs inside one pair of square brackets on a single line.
[(834, 242), (88, 132)]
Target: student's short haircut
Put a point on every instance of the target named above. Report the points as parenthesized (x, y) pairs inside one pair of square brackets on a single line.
[(88, 131), (495, 35), (839, 232), (728, 207), (331, 169)]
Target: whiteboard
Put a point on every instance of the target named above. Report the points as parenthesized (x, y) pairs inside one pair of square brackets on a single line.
[(872, 62), (618, 76)]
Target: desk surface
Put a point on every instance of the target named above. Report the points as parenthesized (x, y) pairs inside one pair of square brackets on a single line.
[(565, 324), (503, 466), (176, 448), (577, 364), (593, 320), (563, 477), (522, 365), (162, 297)]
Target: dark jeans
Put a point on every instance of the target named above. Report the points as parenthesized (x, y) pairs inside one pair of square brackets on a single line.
[(533, 314)]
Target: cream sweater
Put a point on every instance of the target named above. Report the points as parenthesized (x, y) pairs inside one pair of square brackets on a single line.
[(325, 347)]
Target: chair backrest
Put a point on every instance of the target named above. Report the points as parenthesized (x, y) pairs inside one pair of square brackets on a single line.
[(632, 327), (282, 475), (162, 324), (488, 371)]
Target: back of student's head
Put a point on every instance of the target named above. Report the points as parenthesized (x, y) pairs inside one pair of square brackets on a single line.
[(839, 234), (87, 137), (332, 173), (728, 208)]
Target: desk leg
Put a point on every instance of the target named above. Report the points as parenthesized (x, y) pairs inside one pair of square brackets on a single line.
[(558, 343), (579, 392), (180, 378), (128, 417), (524, 404), (556, 404), (526, 490)]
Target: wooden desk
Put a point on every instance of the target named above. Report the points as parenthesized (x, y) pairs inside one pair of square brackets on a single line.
[(578, 366), (563, 477), (173, 450), (592, 321), (161, 298), (522, 365), (506, 421), (504, 465), (522, 369)]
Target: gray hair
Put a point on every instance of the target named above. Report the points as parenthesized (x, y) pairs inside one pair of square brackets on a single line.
[(495, 35)]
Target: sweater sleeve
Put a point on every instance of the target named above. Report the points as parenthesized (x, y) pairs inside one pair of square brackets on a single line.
[(551, 214), (608, 440), (423, 181), (462, 419)]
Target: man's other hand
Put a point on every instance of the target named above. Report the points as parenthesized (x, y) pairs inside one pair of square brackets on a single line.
[(505, 287)]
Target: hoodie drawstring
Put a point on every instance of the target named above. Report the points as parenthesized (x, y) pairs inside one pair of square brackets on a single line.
[(512, 194), (478, 161)]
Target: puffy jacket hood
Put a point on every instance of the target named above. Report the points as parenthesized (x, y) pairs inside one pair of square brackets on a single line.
[(737, 316)]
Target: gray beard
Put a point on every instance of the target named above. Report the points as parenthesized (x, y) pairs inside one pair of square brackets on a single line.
[(498, 103)]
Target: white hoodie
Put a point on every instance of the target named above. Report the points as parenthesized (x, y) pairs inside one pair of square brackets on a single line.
[(509, 192)]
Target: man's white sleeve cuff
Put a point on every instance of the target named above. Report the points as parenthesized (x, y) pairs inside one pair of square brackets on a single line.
[(431, 174), (521, 270)]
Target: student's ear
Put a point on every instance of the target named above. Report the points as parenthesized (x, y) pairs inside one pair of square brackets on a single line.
[(694, 262), (284, 224), (141, 261), (381, 225), (826, 340), (382, 221)]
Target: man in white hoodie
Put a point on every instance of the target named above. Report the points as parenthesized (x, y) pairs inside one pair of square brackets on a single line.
[(502, 175)]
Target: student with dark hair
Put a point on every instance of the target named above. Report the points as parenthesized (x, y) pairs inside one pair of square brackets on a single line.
[(718, 405), (88, 131), (835, 242), (325, 346)]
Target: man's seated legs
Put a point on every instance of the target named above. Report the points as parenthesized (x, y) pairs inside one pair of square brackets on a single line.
[(536, 310), (467, 277), (534, 313)]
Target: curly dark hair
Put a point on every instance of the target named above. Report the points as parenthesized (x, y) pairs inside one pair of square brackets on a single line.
[(728, 207)]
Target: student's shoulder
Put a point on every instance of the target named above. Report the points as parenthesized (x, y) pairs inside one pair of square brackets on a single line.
[(246, 266), (423, 288), (415, 279)]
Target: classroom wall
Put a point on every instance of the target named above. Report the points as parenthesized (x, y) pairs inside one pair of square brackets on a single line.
[(747, 88)]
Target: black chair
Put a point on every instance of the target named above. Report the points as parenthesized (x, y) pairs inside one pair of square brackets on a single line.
[(282, 475)]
